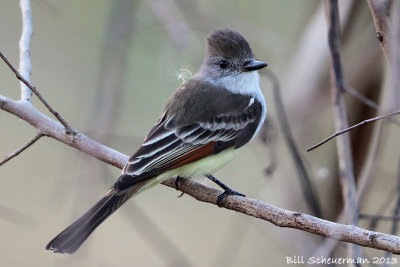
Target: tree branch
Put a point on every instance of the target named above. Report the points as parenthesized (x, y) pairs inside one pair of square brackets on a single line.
[(21, 149), (252, 207), (380, 10), (285, 218), (54, 129), (368, 102), (351, 128), (25, 66), (68, 128), (308, 189)]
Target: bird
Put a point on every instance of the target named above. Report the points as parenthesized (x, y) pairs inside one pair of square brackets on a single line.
[(203, 125)]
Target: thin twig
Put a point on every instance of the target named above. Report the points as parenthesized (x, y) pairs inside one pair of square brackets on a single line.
[(345, 159), (251, 207), (67, 127), (25, 66), (56, 130), (351, 128), (21, 149), (379, 12), (368, 102), (304, 177), (362, 98)]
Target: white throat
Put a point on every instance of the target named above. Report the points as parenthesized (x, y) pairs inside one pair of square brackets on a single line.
[(244, 83)]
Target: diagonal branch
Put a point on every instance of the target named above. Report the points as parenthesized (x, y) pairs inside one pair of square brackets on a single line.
[(54, 129), (351, 128), (362, 98), (309, 191), (37, 93), (21, 149), (251, 207), (368, 102)]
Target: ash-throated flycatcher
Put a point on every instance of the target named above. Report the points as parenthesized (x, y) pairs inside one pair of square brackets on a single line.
[(205, 122)]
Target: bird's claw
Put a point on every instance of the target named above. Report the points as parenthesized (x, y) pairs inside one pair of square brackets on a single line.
[(178, 178), (226, 193)]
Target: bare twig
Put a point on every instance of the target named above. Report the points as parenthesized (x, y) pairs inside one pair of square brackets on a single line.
[(351, 128), (251, 207), (380, 10), (53, 129), (25, 66), (21, 149), (362, 98), (68, 128), (304, 177), (343, 144)]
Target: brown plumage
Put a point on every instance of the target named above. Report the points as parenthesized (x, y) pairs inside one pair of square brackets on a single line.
[(228, 44)]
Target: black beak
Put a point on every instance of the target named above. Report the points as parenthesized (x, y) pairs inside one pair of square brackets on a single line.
[(254, 65)]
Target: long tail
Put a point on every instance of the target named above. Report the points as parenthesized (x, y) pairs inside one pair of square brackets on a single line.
[(69, 240)]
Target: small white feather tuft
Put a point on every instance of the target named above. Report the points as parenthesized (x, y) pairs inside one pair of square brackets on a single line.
[(183, 74)]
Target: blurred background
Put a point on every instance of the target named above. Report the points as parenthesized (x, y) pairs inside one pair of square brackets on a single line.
[(109, 66)]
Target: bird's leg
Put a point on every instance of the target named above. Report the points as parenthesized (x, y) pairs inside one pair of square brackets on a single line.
[(178, 178), (227, 191)]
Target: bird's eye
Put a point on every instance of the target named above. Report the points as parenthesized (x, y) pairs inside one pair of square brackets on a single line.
[(223, 64)]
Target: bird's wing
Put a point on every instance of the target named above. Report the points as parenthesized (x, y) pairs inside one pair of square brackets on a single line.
[(169, 146)]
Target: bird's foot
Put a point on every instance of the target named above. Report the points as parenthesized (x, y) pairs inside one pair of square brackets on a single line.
[(226, 193), (177, 180), (227, 190)]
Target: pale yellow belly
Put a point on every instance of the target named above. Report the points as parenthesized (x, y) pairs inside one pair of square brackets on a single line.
[(207, 165)]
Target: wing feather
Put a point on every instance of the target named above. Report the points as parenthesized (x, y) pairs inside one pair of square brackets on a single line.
[(170, 146)]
